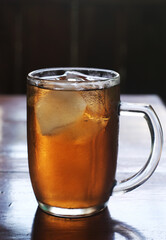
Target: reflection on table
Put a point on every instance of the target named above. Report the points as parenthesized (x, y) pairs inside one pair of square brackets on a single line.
[(99, 227)]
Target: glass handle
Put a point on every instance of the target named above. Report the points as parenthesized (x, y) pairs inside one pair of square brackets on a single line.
[(156, 132)]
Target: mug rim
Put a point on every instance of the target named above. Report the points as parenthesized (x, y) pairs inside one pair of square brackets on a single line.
[(98, 78)]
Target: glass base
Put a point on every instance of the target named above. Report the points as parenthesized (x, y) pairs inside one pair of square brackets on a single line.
[(71, 212)]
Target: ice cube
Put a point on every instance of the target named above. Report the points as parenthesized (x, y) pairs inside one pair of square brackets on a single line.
[(75, 76), (81, 131), (95, 100), (58, 109), (71, 75), (86, 130)]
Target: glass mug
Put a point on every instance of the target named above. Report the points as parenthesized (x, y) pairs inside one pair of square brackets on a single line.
[(73, 128)]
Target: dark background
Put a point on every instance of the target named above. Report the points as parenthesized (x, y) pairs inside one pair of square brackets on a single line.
[(128, 36)]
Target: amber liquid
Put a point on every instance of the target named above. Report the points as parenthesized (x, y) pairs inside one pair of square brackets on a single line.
[(73, 166)]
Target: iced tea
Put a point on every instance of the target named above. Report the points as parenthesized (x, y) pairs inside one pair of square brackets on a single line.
[(72, 145)]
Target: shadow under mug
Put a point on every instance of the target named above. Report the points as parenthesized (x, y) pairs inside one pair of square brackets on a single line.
[(73, 128), (99, 227)]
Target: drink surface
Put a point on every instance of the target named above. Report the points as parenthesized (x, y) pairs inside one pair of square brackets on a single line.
[(72, 145)]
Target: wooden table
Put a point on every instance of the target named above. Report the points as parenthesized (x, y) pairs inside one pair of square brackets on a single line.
[(140, 214)]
